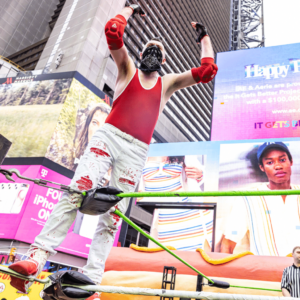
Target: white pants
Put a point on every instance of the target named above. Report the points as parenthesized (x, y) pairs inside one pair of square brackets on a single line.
[(108, 147)]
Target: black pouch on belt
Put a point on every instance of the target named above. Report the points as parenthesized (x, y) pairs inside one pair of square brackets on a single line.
[(58, 292), (99, 201)]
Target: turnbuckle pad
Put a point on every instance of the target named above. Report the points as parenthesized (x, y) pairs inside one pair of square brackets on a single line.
[(219, 284), (99, 201), (58, 292)]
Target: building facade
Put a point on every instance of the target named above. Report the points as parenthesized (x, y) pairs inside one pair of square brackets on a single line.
[(24, 23)]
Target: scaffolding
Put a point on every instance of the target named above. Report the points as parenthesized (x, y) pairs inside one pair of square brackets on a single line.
[(247, 24)]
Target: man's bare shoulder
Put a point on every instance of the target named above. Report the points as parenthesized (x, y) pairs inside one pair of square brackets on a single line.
[(168, 79), (123, 80), (169, 76)]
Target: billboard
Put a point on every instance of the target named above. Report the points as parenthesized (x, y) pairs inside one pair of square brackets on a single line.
[(82, 114), (171, 226), (51, 116), (28, 207), (13, 200), (263, 225), (257, 94), (29, 113), (8, 292)]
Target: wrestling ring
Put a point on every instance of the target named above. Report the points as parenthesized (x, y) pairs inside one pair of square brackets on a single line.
[(147, 291)]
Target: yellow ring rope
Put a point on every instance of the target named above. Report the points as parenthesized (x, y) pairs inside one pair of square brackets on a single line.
[(146, 249), (219, 261), (213, 261)]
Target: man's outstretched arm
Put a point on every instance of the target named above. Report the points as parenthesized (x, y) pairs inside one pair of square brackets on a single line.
[(205, 73), (114, 30)]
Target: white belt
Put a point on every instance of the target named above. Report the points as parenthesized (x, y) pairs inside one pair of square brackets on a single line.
[(127, 136)]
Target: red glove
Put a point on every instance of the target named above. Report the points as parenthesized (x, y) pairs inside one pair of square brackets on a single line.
[(114, 30), (206, 72)]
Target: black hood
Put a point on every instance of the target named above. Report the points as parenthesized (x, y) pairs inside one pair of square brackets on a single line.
[(151, 59)]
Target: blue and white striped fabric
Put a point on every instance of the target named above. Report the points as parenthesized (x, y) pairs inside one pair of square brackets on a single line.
[(182, 229)]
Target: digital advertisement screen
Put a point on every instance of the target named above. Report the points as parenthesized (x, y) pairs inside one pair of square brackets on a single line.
[(52, 115), (263, 225), (212, 166), (257, 94), (27, 207), (172, 226), (29, 111), (8, 292), (82, 113)]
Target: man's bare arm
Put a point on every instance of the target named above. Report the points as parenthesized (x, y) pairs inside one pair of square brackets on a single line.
[(114, 30), (207, 49), (205, 73), (285, 293)]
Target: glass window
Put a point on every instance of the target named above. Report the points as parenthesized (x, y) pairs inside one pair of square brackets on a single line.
[(131, 237)]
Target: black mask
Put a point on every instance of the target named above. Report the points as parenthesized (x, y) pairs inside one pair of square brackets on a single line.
[(151, 59)]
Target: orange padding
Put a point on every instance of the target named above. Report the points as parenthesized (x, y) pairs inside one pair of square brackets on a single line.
[(254, 267)]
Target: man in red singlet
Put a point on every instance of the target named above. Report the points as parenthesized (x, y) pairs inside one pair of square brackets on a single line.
[(122, 143)]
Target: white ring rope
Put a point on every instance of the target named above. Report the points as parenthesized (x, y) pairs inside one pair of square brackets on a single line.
[(171, 293)]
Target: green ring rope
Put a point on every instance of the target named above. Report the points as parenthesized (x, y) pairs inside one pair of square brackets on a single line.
[(211, 194), (254, 288)]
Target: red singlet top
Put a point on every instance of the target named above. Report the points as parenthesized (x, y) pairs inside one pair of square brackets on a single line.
[(136, 110)]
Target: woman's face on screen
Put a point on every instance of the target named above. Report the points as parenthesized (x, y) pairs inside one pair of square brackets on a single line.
[(98, 120)]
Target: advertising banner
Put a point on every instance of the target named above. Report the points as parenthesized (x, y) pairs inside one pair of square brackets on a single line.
[(172, 226), (29, 113), (52, 116), (257, 94), (14, 197), (266, 225), (26, 207), (82, 114), (7, 292)]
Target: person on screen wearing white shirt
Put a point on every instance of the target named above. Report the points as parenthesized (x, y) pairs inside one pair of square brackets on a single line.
[(184, 229), (272, 223)]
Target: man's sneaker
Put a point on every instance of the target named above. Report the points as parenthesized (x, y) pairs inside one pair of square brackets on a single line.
[(96, 296), (33, 265)]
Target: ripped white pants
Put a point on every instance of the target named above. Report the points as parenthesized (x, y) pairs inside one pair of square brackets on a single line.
[(108, 147)]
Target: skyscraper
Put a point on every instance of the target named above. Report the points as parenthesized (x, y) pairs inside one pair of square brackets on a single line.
[(24, 23)]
